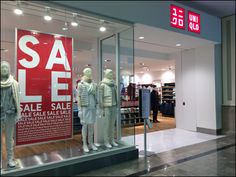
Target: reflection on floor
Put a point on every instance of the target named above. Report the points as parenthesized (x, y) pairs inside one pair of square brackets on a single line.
[(214, 157), (166, 140), (24, 151)]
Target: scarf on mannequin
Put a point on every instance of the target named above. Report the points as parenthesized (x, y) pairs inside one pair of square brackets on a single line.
[(109, 82), (11, 82), (90, 85)]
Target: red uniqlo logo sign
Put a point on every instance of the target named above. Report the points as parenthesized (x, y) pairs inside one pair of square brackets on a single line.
[(193, 22), (177, 17)]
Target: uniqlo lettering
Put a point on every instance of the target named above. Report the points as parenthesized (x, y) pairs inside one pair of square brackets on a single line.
[(193, 22), (177, 17)]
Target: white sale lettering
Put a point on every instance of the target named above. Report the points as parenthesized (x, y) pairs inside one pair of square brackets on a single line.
[(53, 59), (58, 46)]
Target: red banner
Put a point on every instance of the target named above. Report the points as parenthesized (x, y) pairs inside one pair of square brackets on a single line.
[(44, 69)]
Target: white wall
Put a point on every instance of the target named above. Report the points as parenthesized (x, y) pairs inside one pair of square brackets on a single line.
[(149, 77), (185, 91), (195, 85), (205, 87)]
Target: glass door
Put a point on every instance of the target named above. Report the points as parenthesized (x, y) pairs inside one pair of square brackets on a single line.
[(117, 54)]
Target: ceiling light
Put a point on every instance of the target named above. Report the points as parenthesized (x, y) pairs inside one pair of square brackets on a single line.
[(178, 45), (141, 37), (74, 24), (74, 20), (18, 11), (65, 27), (47, 16), (102, 29)]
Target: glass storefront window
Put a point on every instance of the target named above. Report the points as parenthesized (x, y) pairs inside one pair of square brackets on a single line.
[(48, 57)]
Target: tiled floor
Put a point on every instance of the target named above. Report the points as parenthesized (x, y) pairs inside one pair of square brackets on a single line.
[(210, 156), (166, 140)]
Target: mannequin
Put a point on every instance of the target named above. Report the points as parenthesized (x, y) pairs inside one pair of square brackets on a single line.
[(108, 104), (10, 109), (87, 94)]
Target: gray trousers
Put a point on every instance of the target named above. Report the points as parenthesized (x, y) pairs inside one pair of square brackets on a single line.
[(9, 126), (109, 125)]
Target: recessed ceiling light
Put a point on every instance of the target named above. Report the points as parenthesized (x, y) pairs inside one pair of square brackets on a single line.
[(141, 64), (141, 37), (178, 45), (18, 11)]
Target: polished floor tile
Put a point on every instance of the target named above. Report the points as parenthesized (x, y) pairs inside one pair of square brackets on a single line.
[(166, 140), (211, 156)]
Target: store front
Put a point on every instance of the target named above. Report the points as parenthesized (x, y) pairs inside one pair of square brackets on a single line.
[(49, 51), (48, 57), (197, 64)]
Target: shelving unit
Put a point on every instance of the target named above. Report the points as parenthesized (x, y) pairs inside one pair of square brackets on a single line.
[(168, 99), (168, 92), (130, 117)]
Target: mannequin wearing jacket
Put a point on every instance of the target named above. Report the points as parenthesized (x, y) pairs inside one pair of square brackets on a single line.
[(87, 94), (10, 109), (108, 104)]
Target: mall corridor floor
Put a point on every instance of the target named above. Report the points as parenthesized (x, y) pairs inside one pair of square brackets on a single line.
[(211, 158)]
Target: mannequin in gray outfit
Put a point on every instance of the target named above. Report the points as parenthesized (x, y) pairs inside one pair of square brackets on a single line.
[(9, 109)]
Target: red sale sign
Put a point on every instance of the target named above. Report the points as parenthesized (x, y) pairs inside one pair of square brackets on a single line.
[(194, 22), (177, 17), (44, 71)]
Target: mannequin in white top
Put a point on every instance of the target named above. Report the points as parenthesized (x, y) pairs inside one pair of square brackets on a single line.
[(87, 101), (108, 103)]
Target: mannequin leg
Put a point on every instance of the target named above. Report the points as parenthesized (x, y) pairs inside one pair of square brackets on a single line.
[(84, 136), (112, 126), (90, 137), (10, 124), (106, 127)]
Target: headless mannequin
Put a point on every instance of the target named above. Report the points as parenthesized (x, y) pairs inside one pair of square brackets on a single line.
[(87, 91), (10, 109), (108, 104)]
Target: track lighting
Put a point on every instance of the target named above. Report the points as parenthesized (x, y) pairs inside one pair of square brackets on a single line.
[(65, 27), (47, 16), (74, 21), (18, 10), (102, 28)]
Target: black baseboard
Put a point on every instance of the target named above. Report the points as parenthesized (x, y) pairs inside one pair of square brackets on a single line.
[(209, 131), (81, 167)]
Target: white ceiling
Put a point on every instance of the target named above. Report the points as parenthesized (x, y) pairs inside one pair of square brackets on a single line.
[(164, 42)]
